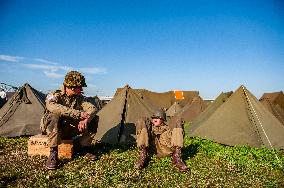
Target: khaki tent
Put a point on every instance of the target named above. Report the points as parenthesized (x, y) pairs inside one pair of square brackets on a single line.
[(160, 100), (10, 94), (163, 100), (116, 121), (275, 109), (175, 108), (211, 109), (96, 101), (208, 102), (242, 120), (192, 110), (22, 113), (188, 97), (276, 98)]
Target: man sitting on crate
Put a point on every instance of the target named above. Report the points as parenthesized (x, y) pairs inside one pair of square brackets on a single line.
[(68, 114)]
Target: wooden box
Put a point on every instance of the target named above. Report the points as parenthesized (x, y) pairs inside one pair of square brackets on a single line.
[(37, 145)]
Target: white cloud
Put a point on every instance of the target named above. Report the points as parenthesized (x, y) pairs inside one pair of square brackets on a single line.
[(53, 74), (51, 69), (10, 58), (42, 66), (45, 61), (93, 70), (48, 67)]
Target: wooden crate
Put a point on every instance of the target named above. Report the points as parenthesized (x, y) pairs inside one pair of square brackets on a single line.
[(37, 145)]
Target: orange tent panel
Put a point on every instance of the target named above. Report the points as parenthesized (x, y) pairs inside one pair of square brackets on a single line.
[(179, 95)]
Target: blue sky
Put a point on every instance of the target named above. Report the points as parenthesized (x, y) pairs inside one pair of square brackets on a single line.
[(209, 46)]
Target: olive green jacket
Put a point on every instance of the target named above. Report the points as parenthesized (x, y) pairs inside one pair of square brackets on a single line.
[(162, 137), (59, 103)]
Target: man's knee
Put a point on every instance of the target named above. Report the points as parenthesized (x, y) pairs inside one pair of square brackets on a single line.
[(52, 122), (54, 118)]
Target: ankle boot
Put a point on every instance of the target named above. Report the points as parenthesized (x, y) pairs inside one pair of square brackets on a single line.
[(177, 161), (86, 151), (52, 161), (141, 163)]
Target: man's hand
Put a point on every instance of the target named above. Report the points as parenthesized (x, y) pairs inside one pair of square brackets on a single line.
[(85, 115), (83, 125)]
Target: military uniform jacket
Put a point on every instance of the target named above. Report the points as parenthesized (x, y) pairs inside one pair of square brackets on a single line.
[(159, 139), (70, 107)]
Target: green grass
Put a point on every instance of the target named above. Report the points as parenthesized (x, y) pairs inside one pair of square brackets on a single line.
[(211, 165)]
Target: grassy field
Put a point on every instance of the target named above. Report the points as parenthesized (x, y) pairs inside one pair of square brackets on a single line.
[(211, 165)]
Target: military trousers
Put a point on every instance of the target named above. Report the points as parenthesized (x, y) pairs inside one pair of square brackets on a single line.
[(64, 128), (160, 140), (160, 144)]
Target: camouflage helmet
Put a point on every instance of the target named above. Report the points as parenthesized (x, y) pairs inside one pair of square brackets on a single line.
[(159, 114), (74, 79)]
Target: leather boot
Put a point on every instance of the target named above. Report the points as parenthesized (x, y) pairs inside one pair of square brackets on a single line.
[(141, 163), (52, 161), (86, 151), (177, 161)]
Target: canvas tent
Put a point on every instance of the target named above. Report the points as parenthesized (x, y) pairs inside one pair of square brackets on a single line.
[(188, 97), (22, 113), (275, 109), (116, 121), (276, 98), (242, 120), (192, 109), (211, 109), (208, 102), (164, 100), (96, 101), (10, 94), (175, 108)]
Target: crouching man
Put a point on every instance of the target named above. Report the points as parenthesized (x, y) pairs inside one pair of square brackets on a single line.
[(68, 114), (155, 136)]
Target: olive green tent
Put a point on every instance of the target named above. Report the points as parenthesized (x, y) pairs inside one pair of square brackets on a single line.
[(160, 100), (192, 110), (275, 109), (96, 101), (175, 108), (276, 98), (242, 120), (208, 102), (211, 109), (116, 120), (163, 100), (22, 113), (188, 97)]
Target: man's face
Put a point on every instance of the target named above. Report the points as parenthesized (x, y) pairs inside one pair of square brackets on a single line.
[(78, 90), (74, 91), (157, 121)]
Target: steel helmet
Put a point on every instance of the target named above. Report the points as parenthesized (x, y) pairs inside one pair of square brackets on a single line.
[(159, 114), (74, 79)]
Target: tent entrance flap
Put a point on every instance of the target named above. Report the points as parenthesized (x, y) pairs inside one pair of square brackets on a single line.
[(120, 137), (254, 118)]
